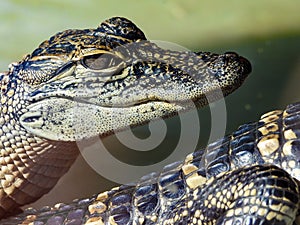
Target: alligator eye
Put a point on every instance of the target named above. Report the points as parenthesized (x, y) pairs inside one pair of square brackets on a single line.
[(100, 61)]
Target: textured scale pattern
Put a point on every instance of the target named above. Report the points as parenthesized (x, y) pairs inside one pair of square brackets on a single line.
[(111, 74), (225, 183), (117, 78)]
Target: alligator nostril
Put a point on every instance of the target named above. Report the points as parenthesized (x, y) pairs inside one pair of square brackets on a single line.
[(232, 54), (246, 65)]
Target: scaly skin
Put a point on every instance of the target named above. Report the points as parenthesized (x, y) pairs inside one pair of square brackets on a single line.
[(115, 78), (248, 177)]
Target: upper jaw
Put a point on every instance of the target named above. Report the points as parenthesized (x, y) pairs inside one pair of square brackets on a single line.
[(166, 81)]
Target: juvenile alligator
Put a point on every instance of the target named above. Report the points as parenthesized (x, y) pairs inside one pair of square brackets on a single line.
[(116, 78)]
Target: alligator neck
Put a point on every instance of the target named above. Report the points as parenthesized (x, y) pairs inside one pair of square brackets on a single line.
[(20, 151)]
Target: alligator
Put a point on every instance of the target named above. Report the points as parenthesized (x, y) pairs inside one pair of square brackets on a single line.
[(118, 79)]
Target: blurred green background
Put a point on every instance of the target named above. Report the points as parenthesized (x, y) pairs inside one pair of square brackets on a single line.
[(267, 32)]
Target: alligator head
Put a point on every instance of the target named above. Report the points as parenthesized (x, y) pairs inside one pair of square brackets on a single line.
[(82, 83)]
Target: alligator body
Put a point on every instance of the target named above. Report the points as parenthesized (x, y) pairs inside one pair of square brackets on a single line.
[(249, 177), (117, 78)]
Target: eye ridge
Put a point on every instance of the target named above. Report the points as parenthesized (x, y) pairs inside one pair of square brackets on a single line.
[(100, 61)]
